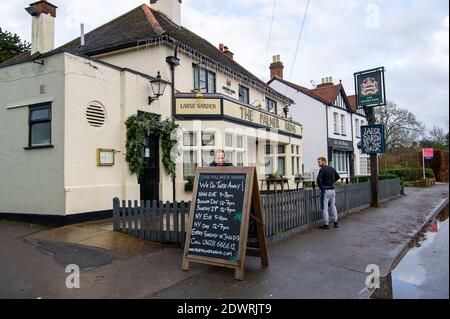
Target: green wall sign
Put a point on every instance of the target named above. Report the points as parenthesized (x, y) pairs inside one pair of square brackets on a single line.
[(369, 87)]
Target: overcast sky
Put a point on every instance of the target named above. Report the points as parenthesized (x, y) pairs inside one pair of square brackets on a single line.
[(409, 37)]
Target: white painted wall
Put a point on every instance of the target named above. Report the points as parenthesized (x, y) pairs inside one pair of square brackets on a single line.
[(347, 136), (311, 113), (358, 154), (31, 181)]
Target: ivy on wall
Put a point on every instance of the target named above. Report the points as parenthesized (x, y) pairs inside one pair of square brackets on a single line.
[(139, 127)]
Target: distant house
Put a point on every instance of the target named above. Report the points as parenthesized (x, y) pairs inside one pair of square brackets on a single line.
[(331, 124)]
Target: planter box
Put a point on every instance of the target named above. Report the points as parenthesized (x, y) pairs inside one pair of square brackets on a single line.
[(188, 187)]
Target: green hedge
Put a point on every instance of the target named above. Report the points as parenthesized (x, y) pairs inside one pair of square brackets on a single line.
[(411, 173), (381, 177)]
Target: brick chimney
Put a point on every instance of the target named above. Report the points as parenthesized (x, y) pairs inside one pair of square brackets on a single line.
[(43, 16), (224, 49), (171, 8), (326, 81), (276, 67)]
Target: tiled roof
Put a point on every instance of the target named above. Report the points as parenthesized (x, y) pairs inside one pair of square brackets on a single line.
[(299, 88), (352, 100), (144, 24), (328, 93)]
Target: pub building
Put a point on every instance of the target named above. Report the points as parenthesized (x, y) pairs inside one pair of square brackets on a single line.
[(63, 112)]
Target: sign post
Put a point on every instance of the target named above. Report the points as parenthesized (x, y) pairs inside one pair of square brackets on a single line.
[(370, 93), (226, 220), (427, 154)]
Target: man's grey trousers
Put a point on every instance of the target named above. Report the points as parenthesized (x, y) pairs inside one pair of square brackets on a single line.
[(329, 197)]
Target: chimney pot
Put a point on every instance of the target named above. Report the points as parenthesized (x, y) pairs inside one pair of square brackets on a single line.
[(276, 67)]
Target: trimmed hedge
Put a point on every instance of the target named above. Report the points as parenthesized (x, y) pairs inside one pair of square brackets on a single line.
[(411, 173), (381, 177)]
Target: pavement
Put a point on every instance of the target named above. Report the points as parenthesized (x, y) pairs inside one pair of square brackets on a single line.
[(313, 264)]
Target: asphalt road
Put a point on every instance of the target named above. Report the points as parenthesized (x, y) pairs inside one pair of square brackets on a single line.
[(314, 264)]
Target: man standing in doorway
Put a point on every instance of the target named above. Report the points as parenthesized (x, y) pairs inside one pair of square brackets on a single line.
[(325, 180), (220, 159)]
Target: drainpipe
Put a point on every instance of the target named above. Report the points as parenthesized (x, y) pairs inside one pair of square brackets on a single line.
[(173, 61)]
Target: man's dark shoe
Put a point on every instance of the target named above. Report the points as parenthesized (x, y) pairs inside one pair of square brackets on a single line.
[(324, 226), (336, 225)]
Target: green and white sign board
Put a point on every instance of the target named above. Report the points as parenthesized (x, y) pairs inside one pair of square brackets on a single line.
[(369, 87)]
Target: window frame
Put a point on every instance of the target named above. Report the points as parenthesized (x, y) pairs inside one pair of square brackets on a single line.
[(275, 105), (214, 140), (195, 162), (196, 71), (35, 107), (343, 125), (194, 139), (358, 128), (336, 122), (242, 87)]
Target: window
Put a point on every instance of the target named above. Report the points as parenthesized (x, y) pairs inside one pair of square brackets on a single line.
[(357, 128), (364, 166), (269, 165), (269, 149), (292, 166), (189, 139), (228, 140), (336, 122), (228, 156), (271, 105), (240, 141), (240, 159), (339, 161), (208, 139), (40, 126), (281, 149), (208, 157), (244, 95), (204, 80), (189, 163), (281, 166), (298, 150), (343, 124)]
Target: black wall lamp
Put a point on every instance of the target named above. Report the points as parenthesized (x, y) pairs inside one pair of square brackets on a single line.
[(158, 87)]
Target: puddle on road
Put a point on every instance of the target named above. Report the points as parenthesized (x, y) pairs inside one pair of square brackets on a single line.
[(410, 275)]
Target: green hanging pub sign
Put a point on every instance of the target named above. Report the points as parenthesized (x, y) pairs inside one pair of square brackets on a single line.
[(370, 89)]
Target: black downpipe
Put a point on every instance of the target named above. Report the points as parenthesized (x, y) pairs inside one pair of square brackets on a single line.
[(173, 61)]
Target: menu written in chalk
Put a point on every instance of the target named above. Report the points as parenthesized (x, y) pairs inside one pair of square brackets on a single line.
[(217, 219)]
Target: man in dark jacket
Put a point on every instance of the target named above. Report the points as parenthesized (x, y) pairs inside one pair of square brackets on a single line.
[(325, 180), (220, 159)]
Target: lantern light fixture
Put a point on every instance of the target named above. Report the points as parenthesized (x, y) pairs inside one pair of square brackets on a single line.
[(158, 87)]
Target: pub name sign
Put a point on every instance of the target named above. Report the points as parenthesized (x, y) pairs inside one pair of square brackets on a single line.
[(223, 108)]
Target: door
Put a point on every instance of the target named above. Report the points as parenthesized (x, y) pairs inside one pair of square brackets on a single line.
[(149, 181)]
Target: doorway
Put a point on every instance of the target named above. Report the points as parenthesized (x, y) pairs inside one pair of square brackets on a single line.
[(149, 180)]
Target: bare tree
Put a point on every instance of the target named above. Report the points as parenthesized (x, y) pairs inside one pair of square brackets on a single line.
[(437, 135), (401, 126)]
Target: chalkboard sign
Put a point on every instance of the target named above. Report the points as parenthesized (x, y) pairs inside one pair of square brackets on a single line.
[(372, 139), (221, 227), (217, 218)]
